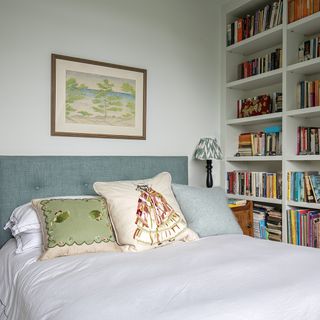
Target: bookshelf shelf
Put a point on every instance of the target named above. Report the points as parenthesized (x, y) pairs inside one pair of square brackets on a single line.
[(306, 26), (261, 41), (304, 158), (304, 113), (254, 158), (258, 81), (289, 37), (266, 118), (306, 67), (258, 199), (307, 205)]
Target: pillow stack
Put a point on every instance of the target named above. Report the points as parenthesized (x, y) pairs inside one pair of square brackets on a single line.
[(126, 216)]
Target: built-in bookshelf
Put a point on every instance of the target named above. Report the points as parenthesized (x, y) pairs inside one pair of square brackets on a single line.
[(285, 79)]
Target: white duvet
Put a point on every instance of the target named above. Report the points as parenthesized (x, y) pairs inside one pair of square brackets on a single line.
[(222, 277)]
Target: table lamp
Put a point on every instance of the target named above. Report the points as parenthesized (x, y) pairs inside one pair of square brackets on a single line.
[(208, 149)]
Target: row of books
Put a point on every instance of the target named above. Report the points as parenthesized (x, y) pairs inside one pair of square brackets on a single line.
[(304, 186), (303, 227), (267, 143), (269, 62), (267, 222), (257, 184), (309, 49), (259, 105), (308, 140), (308, 94), (298, 9), (242, 28)]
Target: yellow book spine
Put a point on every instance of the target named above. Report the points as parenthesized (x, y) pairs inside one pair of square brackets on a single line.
[(293, 227), (289, 184)]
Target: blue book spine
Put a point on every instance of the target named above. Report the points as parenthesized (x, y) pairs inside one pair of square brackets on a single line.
[(292, 186), (273, 129)]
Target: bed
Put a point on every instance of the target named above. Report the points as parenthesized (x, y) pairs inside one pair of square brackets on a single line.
[(218, 277)]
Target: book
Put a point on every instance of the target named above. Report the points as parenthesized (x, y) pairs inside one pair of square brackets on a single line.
[(234, 203), (298, 9), (267, 143), (308, 139), (309, 49), (315, 185), (259, 105), (267, 222), (270, 61), (308, 93), (249, 25), (304, 186), (256, 184), (303, 227)]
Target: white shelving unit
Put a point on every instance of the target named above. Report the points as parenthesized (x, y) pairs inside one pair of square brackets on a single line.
[(288, 37)]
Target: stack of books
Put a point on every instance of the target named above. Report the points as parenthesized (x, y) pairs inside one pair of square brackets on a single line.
[(308, 140), (308, 94), (298, 9), (267, 222), (268, 17), (309, 49), (303, 227), (304, 186), (269, 62), (259, 105), (256, 184), (274, 225), (267, 143), (259, 221)]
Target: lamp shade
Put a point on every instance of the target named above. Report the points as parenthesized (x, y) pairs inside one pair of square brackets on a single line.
[(208, 149)]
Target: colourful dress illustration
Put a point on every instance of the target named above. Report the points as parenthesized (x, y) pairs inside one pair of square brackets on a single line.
[(156, 220)]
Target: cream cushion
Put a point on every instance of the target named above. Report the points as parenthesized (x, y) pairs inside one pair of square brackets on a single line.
[(144, 213)]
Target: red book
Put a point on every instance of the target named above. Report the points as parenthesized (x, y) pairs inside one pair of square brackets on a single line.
[(297, 9), (311, 94), (304, 8), (298, 140), (240, 29), (291, 11), (316, 93)]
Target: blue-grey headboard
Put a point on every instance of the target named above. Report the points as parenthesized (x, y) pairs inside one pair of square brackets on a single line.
[(23, 178)]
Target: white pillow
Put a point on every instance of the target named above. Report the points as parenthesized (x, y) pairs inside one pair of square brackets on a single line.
[(27, 241), (23, 219)]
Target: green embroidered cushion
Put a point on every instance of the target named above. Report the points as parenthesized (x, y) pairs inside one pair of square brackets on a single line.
[(74, 226)]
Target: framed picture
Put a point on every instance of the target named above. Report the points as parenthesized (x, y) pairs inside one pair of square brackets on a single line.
[(97, 99)]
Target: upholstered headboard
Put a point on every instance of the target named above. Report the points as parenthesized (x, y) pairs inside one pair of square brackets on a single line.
[(23, 178)]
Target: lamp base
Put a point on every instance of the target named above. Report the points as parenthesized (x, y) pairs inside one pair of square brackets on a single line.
[(209, 174)]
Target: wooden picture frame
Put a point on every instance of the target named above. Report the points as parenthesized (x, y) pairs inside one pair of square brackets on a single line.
[(97, 99)]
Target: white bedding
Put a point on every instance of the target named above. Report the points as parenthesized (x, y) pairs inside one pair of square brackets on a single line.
[(222, 277)]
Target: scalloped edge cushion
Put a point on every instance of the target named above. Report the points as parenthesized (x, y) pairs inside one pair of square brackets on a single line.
[(74, 226), (206, 210), (145, 213)]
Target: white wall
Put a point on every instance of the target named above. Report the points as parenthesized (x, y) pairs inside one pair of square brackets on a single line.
[(177, 41)]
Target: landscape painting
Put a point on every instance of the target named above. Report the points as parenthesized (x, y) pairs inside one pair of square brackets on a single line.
[(97, 99), (100, 100)]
